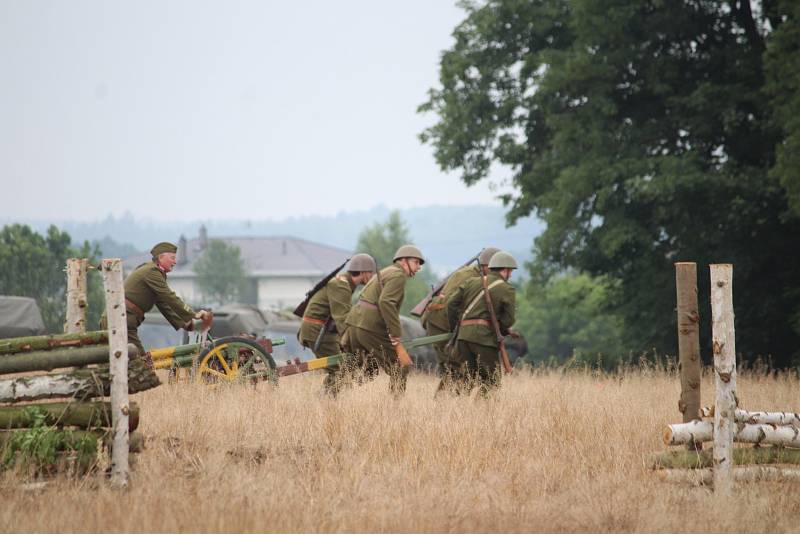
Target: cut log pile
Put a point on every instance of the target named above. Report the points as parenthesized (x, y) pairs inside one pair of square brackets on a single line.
[(73, 369)]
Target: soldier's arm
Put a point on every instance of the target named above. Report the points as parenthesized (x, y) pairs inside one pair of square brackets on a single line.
[(506, 304), (389, 303), (454, 305), (177, 312), (339, 296)]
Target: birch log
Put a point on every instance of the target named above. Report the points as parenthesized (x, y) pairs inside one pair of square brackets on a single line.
[(689, 459), (118, 367), (702, 431), (56, 359), (688, 339), (80, 384), (750, 473), (61, 414), (724, 348), (76, 296), (758, 418), (35, 343)]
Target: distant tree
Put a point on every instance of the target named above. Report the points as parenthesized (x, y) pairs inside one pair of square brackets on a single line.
[(221, 275), (32, 265), (109, 248), (567, 317), (642, 133), (381, 240)]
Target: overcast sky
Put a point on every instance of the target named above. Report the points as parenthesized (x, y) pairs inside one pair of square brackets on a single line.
[(190, 109)]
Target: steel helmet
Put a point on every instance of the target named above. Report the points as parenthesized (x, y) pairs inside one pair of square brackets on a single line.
[(502, 260), (409, 251), (362, 263), (486, 255)]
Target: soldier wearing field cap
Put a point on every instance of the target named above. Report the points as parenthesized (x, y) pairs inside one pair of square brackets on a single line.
[(328, 309), (435, 317), (477, 350), (374, 331), (147, 286)]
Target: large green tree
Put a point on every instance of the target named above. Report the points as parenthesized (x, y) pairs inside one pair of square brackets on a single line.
[(381, 240), (33, 265), (221, 275), (642, 133)]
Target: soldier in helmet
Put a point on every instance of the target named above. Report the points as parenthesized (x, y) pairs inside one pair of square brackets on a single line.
[(435, 317), (328, 309), (147, 286), (374, 322), (477, 350)]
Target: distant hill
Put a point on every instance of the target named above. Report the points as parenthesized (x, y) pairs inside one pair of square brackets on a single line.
[(447, 235)]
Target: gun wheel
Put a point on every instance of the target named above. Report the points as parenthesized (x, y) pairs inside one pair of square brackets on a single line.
[(234, 359)]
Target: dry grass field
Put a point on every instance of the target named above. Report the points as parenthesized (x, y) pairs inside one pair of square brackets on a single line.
[(551, 451)]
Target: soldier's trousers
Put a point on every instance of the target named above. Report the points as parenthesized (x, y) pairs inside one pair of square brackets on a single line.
[(480, 365), (447, 366), (373, 351), (133, 331), (327, 347)]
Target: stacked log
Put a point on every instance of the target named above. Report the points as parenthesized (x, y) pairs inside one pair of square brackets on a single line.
[(75, 427)]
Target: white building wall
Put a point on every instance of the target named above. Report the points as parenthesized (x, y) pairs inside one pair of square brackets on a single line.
[(283, 292), (185, 288)]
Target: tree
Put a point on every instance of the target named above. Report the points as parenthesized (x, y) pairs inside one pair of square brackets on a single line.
[(33, 266), (221, 275), (642, 134), (381, 241), (566, 318)]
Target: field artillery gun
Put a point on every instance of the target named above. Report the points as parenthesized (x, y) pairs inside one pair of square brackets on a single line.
[(246, 359)]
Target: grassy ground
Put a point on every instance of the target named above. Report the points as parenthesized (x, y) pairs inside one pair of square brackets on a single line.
[(550, 452)]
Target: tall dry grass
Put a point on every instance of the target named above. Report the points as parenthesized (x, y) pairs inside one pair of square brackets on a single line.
[(550, 452)]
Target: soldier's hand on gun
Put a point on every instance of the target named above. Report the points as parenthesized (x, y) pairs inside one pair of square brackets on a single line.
[(394, 340), (206, 317), (513, 334)]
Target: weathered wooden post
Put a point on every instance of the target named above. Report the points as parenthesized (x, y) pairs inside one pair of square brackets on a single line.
[(118, 368), (688, 342), (724, 348), (76, 296)]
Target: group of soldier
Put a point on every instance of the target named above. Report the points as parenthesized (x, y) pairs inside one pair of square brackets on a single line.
[(369, 330), (476, 304)]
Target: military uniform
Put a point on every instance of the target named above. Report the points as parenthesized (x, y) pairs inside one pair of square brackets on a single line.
[(476, 346), (375, 316), (144, 288), (435, 321), (331, 301)]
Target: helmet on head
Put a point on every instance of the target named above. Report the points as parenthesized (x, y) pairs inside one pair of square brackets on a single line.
[(362, 263), (486, 255), (409, 251), (502, 260)]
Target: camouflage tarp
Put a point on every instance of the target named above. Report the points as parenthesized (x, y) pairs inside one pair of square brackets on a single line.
[(20, 316)]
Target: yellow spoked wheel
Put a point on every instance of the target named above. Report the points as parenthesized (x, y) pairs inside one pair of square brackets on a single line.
[(234, 359)]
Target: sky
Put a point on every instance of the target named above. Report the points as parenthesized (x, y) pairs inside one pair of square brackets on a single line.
[(178, 110)]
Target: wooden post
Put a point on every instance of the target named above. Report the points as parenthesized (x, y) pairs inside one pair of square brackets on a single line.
[(688, 341), (76, 296), (118, 368), (724, 348)]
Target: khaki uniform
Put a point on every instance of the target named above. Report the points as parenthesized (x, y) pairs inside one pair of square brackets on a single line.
[(375, 316), (144, 288), (476, 347), (333, 300), (435, 321)]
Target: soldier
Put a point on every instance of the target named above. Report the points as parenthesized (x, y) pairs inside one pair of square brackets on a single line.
[(435, 317), (328, 308), (147, 286), (374, 322), (477, 349)]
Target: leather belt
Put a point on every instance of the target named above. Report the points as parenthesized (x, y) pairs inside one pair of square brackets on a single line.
[(483, 322), (436, 307), (369, 305), (137, 311), (313, 321)]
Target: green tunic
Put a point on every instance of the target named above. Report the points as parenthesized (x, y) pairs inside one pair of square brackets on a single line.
[(437, 317), (333, 300), (503, 301), (147, 286), (381, 312)]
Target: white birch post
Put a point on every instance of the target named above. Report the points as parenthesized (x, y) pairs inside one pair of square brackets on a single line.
[(118, 368), (724, 348), (76, 296)]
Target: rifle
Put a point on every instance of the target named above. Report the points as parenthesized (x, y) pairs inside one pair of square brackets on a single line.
[(322, 331), (501, 343), (300, 310), (420, 308)]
